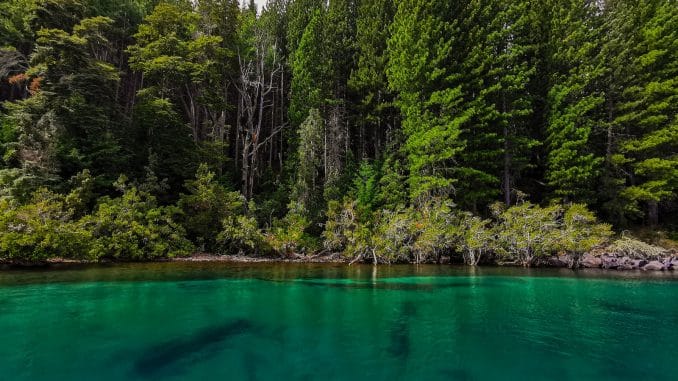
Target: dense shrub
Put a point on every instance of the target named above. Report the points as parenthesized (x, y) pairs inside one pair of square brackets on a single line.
[(289, 235), (525, 232), (134, 227), (42, 229), (521, 233), (207, 208)]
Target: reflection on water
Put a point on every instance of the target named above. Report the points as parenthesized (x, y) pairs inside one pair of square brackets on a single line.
[(177, 271)]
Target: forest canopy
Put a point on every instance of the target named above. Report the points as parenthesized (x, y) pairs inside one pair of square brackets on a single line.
[(386, 129)]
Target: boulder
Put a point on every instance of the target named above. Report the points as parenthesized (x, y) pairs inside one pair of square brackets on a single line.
[(639, 263), (560, 261), (654, 266), (626, 266), (591, 261), (610, 262)]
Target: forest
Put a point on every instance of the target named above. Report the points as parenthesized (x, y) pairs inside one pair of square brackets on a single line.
[(387, 130)]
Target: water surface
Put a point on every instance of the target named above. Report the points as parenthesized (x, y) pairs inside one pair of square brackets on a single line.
[(193, 321)]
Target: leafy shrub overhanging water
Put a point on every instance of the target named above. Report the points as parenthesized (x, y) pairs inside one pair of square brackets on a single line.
[(133, 226)]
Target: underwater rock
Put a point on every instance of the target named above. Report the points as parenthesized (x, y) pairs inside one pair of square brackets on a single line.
[(177, 351)]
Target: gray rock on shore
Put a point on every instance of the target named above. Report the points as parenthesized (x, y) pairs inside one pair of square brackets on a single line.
[(590, 261), (654, 266)]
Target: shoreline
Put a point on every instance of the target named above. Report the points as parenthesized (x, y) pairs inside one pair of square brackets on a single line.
[(602, 261)]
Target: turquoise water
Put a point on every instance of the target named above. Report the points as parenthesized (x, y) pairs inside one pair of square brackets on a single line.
[(172, 321)]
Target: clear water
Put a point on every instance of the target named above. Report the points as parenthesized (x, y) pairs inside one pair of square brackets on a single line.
[(173, 321)]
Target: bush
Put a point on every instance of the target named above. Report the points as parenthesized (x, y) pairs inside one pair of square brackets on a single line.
[(134, 227), (345, 232), (288, 235), (580, 232), (206, 207), (476, 238), (42, 229), (406, 235), (633, 248), (525, 232), (241, 234)]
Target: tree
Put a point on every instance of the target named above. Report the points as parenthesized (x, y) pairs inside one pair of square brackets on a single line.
[(648, 111), (503, 63), (375, 112), (205, 208), (260, 76), (78, 89), (428, 98), (307, 190), (575, 100)]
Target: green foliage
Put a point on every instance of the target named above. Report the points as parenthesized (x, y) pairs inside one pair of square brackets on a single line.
[(383, 128), (575, 102), (526, 232), (308, 187), (581, 232), (406, 235), (43, 229), (429, 102), (649, 113), (368, 81), (476, 238), (345, 231), (207, 205), (289, 235), (366, 186), (310, 72), (133, 227), (241, 234)]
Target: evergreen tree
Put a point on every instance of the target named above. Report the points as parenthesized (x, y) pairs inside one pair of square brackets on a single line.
[(504, 62), (375, 113), (648, 113), (428, 96), (575, 100)]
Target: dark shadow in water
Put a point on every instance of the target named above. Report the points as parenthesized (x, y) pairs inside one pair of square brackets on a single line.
[(400, 331), (400, 340), (158, 358), (626, 308)]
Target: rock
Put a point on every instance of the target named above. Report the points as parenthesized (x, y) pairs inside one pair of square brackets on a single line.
[(639, 263), (654, 266), (560, 261), (591, 261), (610, 262)]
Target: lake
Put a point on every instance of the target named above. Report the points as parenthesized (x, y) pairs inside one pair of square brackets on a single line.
[(209, 321)]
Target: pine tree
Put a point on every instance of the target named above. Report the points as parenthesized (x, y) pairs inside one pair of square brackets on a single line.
[(299, 14), (374, 109), (429, 98), (649, 113), (575, 100), (310, 71), (504, 58)]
